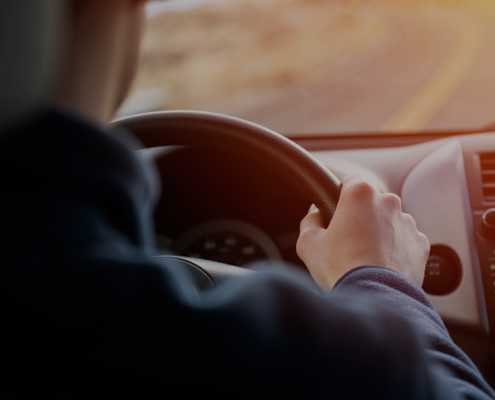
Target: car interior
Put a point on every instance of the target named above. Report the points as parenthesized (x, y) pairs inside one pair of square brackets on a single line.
[(242, 204), (235, 192)]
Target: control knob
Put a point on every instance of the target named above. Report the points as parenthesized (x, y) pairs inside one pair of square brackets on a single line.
[(488, 224)]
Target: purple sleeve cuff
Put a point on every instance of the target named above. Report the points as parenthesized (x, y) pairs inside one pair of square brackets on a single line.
[(378, 280)]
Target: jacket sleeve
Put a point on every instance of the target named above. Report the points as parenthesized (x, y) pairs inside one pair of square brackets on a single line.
[(451, 366)]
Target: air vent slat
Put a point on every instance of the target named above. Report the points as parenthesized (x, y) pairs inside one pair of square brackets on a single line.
[(487, 165)]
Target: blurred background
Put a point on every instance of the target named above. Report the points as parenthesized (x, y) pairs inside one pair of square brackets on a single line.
[(316, 66)]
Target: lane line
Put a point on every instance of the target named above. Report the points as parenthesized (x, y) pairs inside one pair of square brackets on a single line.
[(157, 7), (423, 106)]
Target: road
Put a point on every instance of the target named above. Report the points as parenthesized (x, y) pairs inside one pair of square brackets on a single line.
[(429, 70), (439, 76), (153, 8)]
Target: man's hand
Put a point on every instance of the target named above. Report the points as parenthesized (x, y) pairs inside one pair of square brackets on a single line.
[(367, 229)]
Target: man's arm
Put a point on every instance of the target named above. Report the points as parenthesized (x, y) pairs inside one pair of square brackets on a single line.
[(369, 228), (450, 369)]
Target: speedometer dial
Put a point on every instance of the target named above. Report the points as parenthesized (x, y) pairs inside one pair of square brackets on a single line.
[(230, 242)]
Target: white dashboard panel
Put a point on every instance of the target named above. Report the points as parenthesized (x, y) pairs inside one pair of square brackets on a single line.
[(431, 179), (436, 193)]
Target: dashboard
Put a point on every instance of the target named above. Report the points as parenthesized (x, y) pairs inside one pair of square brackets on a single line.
[(440, 183), (232, 242), (223, 208)]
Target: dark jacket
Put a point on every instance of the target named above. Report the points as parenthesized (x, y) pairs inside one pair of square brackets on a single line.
[(87, 309)]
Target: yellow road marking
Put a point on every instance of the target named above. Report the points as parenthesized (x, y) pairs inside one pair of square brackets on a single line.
[(423, 106)]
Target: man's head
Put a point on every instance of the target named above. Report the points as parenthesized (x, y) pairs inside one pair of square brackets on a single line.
[(101, 55)]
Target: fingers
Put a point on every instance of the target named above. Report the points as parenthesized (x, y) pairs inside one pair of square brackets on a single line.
[(311, 227), (424, 239), (357, 193), (367, 228), (392, 202), (357, 189), (312, 221), (409, 218), (356, 200), (354, 182), (361, 192)]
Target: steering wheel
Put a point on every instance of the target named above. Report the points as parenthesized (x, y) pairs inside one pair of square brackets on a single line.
[(192, 128)]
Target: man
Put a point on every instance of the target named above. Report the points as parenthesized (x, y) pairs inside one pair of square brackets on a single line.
[(86, 309)]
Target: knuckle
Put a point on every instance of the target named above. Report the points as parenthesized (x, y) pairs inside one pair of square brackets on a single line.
[(392, 201), (360, 190), (426, 241), (410, 219)]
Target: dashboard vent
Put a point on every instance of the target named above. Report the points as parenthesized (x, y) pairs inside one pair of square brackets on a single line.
[(487, 163)]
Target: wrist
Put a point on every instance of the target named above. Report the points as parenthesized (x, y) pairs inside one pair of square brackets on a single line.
[(363, 269)]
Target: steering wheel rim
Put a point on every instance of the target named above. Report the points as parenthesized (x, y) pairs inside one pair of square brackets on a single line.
[(192, 128)]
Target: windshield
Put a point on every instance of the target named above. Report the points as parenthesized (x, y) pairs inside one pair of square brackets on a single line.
[(301, 66)]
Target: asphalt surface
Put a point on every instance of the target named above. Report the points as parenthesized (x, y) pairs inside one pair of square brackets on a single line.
[(435, 74), (430, 70)]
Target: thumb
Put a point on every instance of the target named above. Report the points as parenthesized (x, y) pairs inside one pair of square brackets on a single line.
[(312, 221)]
